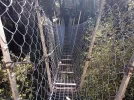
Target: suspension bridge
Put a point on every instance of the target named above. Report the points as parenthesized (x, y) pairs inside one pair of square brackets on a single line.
[(46, 58)]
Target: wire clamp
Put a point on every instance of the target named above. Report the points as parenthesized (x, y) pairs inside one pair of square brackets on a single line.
[(129, 70), (8, 65), (88, 59)]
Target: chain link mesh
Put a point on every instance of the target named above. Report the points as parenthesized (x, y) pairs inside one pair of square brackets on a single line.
[(19, 19), (112, 50), (111, 53)]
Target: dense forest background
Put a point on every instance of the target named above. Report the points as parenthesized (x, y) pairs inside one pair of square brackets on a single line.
[(112, 50)]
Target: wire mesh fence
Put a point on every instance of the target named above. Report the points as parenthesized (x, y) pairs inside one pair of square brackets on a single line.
[(22, 49), (81, 45), (112, 50), (32, 46)]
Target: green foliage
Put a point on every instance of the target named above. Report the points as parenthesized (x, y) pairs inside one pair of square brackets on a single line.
[(22, 73), (112, 50)]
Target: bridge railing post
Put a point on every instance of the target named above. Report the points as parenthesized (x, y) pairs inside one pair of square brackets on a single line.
[(91, 45), (127, 75), (8, 63), (40, 25)]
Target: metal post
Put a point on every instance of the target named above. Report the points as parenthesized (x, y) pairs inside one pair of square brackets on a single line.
[(7, 61), (40, 25), (127, 75)]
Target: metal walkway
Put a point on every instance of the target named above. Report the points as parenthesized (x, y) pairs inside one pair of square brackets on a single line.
[(65, 87)]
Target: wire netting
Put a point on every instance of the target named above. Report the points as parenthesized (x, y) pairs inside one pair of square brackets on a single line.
[(112, 50), (66, 52), (82, 32), (20, 24)]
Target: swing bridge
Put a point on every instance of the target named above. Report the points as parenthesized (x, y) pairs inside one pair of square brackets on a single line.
[(45, 59)]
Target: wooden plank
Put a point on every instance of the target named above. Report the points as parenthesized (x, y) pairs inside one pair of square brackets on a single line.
[(66, 59), (125, 80), (7, 59), (65, 72), (40, 25), (65, 64), (65, 84), (92, 44), (65, 88)]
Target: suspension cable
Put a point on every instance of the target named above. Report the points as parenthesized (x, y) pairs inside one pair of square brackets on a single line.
[(76, 32)]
